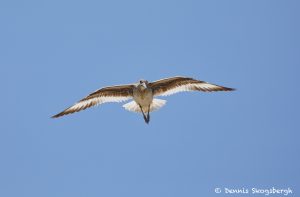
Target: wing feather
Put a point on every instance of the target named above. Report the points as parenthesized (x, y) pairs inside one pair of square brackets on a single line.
[(169, 86), (108, 94)]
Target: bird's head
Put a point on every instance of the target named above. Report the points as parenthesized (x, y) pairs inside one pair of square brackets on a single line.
[(143, 83)]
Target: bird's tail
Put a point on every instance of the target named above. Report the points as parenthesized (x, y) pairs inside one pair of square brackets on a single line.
[(155, 105)]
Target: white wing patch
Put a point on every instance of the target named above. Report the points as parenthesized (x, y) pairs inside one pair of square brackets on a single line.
[(155, 105), (206, 87)]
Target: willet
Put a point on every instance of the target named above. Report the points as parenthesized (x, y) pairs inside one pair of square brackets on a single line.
[(143, 94)]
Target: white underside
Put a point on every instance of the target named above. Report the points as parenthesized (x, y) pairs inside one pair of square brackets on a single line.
[(155, 105)]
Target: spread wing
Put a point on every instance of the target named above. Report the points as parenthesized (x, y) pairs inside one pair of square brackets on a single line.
[(169, 86), (104, 95)]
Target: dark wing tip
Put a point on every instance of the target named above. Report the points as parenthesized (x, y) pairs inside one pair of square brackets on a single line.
[(58, 115), (65, 112), (228, 89), (217, 88)]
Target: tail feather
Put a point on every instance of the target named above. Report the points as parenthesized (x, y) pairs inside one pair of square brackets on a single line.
[(132, 106), (155, 105)]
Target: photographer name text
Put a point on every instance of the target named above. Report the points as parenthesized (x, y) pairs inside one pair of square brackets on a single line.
[(262, 191)]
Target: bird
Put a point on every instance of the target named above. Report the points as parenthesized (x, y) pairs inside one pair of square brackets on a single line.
[(142, 94)]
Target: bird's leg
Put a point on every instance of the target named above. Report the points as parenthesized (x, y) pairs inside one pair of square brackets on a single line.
[(145, 118), (148, 113)]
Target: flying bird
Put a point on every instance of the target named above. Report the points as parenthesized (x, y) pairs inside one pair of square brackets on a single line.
[(142, 93)]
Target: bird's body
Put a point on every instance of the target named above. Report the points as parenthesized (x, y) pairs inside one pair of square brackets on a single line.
[(143, 97), (143, 94)]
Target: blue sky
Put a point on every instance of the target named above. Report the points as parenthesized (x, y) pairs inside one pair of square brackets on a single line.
[(53, 53)]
